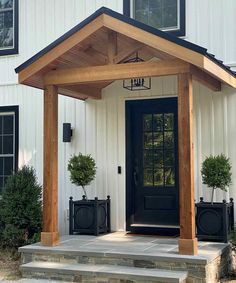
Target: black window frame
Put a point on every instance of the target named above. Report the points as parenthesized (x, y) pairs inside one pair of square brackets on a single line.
[(15, 110), (15, 49), (182, 20)]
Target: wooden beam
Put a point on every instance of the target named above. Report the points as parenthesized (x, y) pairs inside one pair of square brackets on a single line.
[(219, 73), (114, 72), (84, 90), (127, 52), (187, 241), (50, 235), (111, 46), (205, 79), (61, 49)]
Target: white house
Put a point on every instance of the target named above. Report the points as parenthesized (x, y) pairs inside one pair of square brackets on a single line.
[(100, 125)]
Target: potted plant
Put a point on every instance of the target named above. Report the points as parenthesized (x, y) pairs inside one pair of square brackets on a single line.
[(215, 220), (86, 216)]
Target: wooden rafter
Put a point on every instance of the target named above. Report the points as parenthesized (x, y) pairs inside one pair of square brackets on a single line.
[(111, 46), (127, 52), (115, 72)]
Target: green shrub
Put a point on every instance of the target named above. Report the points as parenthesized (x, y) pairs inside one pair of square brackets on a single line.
[(216, 173), (82, 170), (21, 209)]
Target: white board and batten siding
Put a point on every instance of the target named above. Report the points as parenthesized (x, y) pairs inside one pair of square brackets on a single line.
[(99, 126)]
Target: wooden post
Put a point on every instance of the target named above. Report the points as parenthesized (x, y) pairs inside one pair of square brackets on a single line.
[(187, 241), (50, 235)]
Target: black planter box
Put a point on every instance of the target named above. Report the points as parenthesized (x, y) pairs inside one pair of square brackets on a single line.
[(89, 216), (214, 221)]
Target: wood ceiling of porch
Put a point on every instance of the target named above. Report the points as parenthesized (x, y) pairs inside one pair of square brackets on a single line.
[(96, 50)]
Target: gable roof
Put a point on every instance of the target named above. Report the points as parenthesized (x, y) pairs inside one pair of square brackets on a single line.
[(133, 22), (85, 46)]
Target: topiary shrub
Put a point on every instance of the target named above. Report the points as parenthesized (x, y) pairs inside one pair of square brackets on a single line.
[(21, 209), (82, 170), (216, 173)]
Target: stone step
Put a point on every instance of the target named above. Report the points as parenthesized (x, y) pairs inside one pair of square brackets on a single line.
[(100, 273)]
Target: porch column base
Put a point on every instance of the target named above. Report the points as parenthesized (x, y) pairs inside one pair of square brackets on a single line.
[(188, 246), (50, 239)]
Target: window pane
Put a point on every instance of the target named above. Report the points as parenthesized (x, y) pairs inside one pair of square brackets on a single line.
[(148, 140), (6, 4), (8, 124), (8, 144), (155, 18), (148, 177), (141, 4), (158, 122), (169, 176), (148, 158), (8, 19), (169, 139), (1, 185), (1, 166), (170, 17), (8, 165), (158, 158), (158, 140), (147, 122), (1, 145), (142, 16), (158, 177), (153, 4)]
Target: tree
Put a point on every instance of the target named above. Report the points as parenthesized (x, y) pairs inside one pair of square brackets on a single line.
[(21, 209), (82, 170), (216, 173)]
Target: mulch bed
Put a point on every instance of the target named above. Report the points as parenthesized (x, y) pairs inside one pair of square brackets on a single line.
[(9, 264)]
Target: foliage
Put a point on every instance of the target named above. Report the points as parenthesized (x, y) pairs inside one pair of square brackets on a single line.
[(82, 170), (21, 209), (216, 172)]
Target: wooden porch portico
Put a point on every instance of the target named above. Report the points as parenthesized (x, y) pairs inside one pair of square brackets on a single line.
[(90, 57)]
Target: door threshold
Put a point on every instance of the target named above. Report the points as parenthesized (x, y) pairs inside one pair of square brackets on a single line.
[(156, 226)]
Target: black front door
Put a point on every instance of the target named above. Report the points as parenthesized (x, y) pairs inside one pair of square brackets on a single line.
[(152, 165)]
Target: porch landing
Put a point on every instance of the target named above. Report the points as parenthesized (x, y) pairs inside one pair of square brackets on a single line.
[(119, 257)]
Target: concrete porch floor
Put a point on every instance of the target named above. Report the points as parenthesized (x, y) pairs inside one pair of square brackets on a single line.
[(121, 251)]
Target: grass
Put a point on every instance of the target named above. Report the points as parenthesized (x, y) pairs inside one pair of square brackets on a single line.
[(9, 264)]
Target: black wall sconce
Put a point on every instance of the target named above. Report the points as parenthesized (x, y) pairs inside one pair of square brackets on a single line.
[(67, 132)]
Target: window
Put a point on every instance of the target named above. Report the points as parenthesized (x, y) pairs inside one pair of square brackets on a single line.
[(167, 15), (8, 143), (8, 27)]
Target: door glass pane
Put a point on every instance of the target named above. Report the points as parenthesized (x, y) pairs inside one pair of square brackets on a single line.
[(169, 139), (148, 177), (169, 176), (158, 150), (158, 122), (169, 158), (148, 158), (158, 177), (158, 158), (169, 122), (147, 122), (148, 140), (158, 140)]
